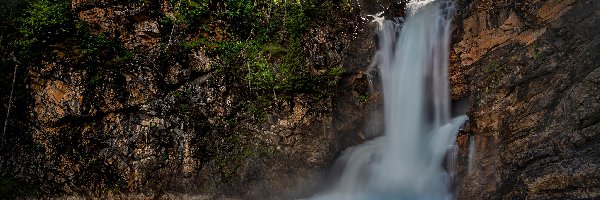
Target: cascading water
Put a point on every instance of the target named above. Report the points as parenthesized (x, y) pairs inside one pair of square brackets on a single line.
[(407, 162)]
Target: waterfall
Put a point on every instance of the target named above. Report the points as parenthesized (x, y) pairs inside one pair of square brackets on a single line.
[(471, 155), (408, 161)]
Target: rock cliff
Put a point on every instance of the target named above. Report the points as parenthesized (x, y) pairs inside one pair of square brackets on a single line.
[(530, 71), (179, 97), (254, 100)]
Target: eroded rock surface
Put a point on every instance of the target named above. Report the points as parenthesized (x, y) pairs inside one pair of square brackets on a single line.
[(177, 125), (155, 120), (530, 70)]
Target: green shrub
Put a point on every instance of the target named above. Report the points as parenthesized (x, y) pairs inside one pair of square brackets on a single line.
[(244, 16), (191, 13), (261, 74), (45, 22)]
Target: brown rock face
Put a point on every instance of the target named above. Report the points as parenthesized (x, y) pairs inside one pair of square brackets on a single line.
[(131, 23), (154, 117), (56, 99), (531, 72)]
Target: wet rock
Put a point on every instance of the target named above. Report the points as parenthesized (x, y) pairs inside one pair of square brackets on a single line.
[(529, 70), (129, 22), (56, 99)]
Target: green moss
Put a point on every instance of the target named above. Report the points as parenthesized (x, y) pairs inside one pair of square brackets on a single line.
[(493, 74), (256, 109), (201, 42), (182, 95), (183, 108), (248, 152), (94, 80), (190, 12), (334, 75), (490, 89), (363, 99), (227, 166)]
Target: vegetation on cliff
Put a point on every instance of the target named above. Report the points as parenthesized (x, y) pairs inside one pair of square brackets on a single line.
[(90, 50), (241, 98)]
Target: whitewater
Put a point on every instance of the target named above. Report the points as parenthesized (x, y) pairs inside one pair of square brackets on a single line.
[(408, 161)]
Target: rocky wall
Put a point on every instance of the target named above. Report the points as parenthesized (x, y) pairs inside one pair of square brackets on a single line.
[(530, 71)]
